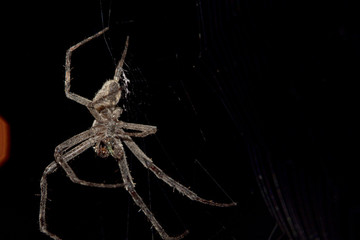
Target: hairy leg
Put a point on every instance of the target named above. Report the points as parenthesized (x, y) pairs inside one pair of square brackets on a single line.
[(119, 155), (51, 168), (62, 158), (148, 163), (119, 70), (75, 97), (141, 130), (85, 135)]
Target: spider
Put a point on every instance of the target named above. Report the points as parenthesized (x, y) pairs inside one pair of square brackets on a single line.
[(107, 136)]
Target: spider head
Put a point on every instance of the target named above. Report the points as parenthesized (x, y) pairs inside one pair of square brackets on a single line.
[(101, 151), (103, 148), (108, 96)]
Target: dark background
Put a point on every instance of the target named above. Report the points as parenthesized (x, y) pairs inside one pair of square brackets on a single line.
[(261, 94)]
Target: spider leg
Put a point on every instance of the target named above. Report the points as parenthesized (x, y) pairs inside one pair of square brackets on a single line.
[(148, 163), (75, 97), (142, 130), (85, 135), (119, 70), (62, 158), (51, 168), (119, 155)]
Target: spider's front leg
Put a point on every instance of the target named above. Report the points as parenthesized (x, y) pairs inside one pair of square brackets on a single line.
[(51, 168), (148, 163), (119, 155), (63, 155)]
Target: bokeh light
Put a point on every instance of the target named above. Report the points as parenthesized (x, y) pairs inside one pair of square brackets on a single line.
[(4, 141)]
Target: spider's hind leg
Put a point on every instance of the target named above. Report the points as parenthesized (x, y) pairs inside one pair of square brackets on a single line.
[(73, 96), (119, 68)]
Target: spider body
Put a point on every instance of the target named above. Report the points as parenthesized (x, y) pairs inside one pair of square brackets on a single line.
[(110, 132), (108, 96), (107, 136)]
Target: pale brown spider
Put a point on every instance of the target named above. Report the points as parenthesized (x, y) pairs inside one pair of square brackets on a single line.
[(107, 136)]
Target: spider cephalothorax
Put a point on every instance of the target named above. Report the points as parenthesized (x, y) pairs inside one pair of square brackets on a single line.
[(107, 136), (103, 148)]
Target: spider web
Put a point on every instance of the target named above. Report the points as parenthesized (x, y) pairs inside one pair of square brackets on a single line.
[(174, 85), (163, 98), (242, 92), (213, 69)]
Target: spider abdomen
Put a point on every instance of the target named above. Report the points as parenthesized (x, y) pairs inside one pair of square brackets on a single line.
[(108, 96)]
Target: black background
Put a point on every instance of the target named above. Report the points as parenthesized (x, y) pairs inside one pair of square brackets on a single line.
[(221, 80)]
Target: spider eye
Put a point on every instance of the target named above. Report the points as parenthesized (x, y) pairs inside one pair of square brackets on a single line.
[(102, 151)]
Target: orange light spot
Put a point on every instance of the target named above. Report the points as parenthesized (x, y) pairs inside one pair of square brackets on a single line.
[(4, 141)]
